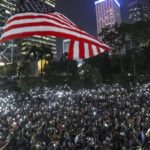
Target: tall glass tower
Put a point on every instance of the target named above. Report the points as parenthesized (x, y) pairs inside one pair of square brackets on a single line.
[(107, 14)]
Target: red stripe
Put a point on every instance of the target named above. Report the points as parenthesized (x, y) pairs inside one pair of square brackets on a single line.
[(90, 50), (98, 50), (81, 50), (71, 49)]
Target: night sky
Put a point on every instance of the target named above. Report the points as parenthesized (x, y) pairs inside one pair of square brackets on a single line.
[(82, 13)]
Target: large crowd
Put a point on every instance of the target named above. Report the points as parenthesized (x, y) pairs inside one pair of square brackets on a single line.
[(108, 117)]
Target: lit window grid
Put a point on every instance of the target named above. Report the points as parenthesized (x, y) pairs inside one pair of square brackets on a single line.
[(107, 14)]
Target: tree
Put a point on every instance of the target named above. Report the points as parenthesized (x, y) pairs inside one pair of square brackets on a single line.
[(91, 75), (134, 38), (115, 37), (63, 71), (24, 69), (102, 64), (36, 53)]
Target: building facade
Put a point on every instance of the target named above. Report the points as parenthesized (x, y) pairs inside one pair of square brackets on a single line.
[(138, 10), (107, 14), (7, 8)]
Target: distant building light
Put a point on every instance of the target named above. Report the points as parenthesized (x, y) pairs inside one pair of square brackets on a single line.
[(8, 12), (117, 3), (2, 64), (99, 1)]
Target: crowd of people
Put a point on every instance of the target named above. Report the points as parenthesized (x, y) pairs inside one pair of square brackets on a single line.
[(108, 117)]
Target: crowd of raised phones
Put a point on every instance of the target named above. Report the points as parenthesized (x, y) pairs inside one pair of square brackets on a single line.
[(108, 117)]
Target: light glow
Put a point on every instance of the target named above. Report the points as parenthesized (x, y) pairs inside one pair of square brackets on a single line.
[(99, 1), (117, 3)]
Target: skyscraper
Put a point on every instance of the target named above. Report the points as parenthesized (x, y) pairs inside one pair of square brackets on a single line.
[(107, 13), (138, 10), (7, 8)]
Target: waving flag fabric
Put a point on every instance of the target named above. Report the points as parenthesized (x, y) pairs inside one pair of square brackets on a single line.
[(27, 24)]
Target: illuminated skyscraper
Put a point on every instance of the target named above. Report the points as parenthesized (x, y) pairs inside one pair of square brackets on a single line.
[(138, 10), (107, 13)]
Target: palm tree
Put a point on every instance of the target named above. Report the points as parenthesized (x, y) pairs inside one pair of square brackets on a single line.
[(36, 53)]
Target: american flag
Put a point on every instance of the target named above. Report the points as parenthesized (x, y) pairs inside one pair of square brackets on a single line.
[(26, 24)]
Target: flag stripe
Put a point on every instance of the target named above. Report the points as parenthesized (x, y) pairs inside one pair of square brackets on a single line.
[(35, 22), (95, 52), (71, 50), (91, 50), (81, 53), (86, 49), (63, 18), (101, 50), (76, 50)]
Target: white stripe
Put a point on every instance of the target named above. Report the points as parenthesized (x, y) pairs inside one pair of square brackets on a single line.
[(95, 52), (101, 50), (86, 50), (76, 49), (48, 29)]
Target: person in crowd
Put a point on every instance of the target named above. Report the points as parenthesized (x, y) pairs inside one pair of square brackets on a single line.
[(109, 117)]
